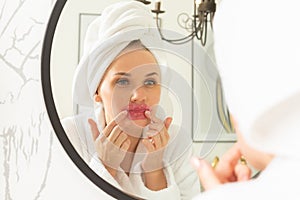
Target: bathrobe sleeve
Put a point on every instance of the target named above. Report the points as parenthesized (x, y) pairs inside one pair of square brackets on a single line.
[(96, 165), (180, 152), (185, 176), (79, 134), (69, 126), (171, 192), (75, 131), (182, 179)]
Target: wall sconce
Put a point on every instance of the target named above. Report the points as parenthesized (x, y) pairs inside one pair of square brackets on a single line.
[(204, 11)]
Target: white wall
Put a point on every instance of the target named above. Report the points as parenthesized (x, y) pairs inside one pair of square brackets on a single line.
[(33, 165)]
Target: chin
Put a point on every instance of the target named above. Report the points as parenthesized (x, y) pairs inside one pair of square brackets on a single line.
[(141, 122)]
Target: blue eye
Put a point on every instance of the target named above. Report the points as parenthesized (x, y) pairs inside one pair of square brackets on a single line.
[(122, 82), (150, 82)]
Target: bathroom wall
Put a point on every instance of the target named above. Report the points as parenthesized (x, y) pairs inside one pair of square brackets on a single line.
[(33, 164)]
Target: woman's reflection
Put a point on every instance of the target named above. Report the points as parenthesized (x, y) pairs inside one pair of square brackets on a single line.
[(121, 77)]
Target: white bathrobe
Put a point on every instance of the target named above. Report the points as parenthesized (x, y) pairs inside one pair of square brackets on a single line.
[(182, 179), (257, 51)]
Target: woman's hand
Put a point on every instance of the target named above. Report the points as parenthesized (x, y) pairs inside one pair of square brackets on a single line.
[(228, 169), (112, 144), (155, 143)]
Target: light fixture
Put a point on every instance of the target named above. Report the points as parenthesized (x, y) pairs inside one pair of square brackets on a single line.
[(144, 1), (204, 11)]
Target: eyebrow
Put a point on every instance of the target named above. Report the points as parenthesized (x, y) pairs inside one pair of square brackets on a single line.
[(122, 74), (151, 74), (127, 74)]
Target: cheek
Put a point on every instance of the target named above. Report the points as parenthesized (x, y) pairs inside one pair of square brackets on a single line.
[(115, 100), (120, 98), (106, 100), (154, 95)]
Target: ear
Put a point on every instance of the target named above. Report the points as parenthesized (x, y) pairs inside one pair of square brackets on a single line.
[(97, 98)]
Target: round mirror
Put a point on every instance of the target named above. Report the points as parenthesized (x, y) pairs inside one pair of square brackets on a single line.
[(193, 96)]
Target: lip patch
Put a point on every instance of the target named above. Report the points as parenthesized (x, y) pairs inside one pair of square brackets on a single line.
[(137, 111)]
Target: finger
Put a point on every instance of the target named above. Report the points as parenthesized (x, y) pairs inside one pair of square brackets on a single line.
[(114, 134), (125, 146), (151, 133), (158, 126), (233, 155), (149, 146), (152, 116), (168, 122), (107, 130), (120, 139), (165, 137), (122, 115), (228, 161), (243, 172), (206, 174), (94, 129), (157, 141)]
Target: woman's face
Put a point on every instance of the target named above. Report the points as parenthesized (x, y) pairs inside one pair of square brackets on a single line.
[(132, 83)]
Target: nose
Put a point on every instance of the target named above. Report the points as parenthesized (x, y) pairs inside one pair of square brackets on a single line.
[(139, 95)]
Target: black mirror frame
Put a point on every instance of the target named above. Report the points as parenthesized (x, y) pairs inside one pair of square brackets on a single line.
[(52, 113)]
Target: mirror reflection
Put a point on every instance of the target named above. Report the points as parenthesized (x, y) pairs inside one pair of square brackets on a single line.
[(136, 109)]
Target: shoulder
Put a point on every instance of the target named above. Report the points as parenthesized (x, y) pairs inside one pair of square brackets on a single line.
[(72, 120), (67, 122), (77, 130), (72, 123)]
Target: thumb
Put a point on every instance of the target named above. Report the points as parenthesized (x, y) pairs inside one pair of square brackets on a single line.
[(206, 174), (242, 172), (94, 129), (168, 122)]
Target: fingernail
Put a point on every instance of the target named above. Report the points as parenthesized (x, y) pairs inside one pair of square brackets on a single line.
[(244, 178), (124, 112), (147, 112), (195, 162)]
